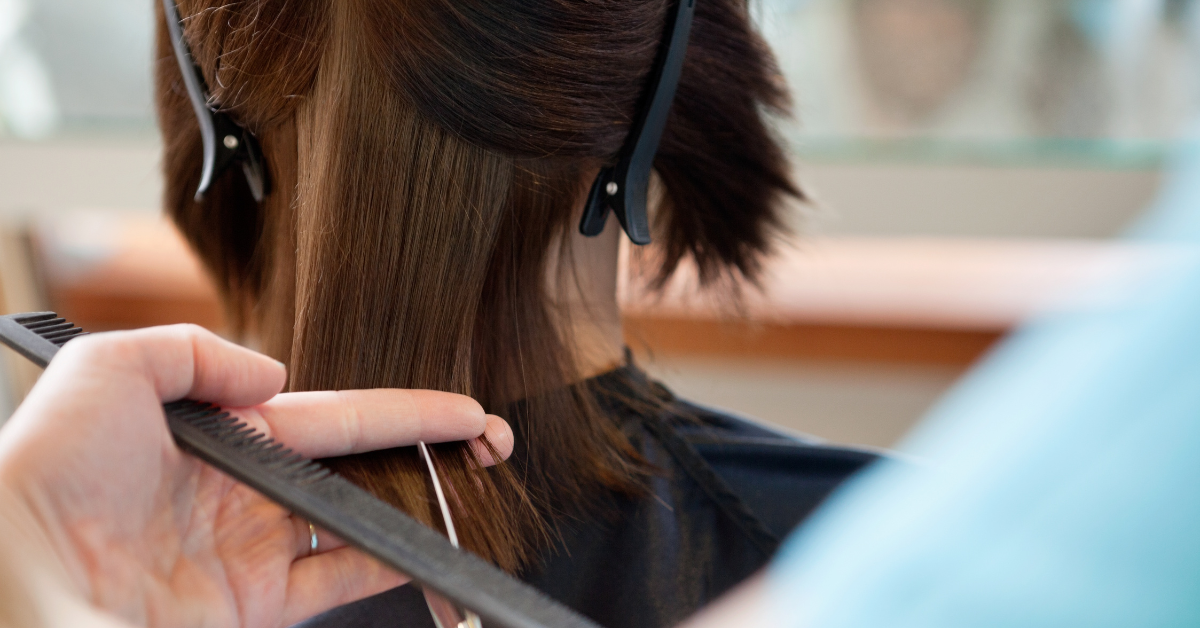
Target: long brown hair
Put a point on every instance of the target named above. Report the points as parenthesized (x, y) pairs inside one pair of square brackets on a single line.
[(425, 155)]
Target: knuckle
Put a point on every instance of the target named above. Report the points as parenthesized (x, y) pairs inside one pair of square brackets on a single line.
[(99, 348), (189, 332), (352, 427), (470, 403)]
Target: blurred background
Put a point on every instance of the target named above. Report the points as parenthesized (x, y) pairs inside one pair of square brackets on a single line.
[(969, 162)]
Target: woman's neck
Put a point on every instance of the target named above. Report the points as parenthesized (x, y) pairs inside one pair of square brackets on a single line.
[(583, 287)]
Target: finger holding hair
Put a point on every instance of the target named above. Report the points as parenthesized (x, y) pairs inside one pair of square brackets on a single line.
[(337, 423)]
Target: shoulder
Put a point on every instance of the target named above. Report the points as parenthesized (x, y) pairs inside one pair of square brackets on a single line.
[(782, 477), (722, 434)]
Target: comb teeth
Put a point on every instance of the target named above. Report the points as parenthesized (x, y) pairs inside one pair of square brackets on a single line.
[(50, 326), (220, 425)]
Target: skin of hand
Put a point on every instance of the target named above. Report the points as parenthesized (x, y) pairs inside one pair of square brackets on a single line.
[(105, 522)]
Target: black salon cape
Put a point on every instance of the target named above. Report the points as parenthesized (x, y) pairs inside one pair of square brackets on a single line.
[(728, 492)]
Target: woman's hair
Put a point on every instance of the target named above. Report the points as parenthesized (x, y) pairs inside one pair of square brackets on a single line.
[(426, 156)]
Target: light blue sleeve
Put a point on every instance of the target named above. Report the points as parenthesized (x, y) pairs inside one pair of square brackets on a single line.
[(1059, 484)]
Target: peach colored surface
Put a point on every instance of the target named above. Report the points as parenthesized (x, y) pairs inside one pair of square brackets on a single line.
[(935, 283), (882, 299)]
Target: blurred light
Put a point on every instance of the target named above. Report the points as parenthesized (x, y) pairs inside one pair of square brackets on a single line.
[(28, 108)]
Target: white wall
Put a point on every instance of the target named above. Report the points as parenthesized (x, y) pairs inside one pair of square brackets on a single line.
[(1050, 202), (87, 172)]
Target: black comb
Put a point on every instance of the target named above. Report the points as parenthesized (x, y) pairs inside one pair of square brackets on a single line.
[(324, 498)]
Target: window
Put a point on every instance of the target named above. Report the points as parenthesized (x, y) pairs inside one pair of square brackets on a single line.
[(72, 65), (992, 80), (1111, 80)]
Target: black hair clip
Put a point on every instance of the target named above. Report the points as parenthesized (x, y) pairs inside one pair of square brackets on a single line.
[(624, 187), (225, 141)]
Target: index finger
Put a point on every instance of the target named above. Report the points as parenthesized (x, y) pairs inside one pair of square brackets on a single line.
[(336, 423)]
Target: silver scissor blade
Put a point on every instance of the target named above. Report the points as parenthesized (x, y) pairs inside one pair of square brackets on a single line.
[(445, 613), (441, 497)]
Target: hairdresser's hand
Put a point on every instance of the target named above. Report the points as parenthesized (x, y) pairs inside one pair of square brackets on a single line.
[(91, 481)]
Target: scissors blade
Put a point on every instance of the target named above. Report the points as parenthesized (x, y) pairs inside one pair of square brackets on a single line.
[(445, 613), (441, 497)]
